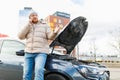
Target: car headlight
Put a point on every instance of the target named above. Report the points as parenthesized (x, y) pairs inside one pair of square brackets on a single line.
[(90, 72)]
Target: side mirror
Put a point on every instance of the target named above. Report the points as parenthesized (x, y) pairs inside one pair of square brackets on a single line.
[(20, 53)]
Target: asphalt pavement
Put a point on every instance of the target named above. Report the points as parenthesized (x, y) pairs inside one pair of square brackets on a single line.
[(114, 73)]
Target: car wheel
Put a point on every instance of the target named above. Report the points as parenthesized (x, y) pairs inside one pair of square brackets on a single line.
[(105, 76), (55, 77)]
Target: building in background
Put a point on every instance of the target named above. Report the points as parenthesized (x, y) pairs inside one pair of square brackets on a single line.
[(58, 19), (23, 16), (3, 35), (25, 11)]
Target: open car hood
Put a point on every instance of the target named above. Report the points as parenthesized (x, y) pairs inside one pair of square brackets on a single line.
[(72, 34)]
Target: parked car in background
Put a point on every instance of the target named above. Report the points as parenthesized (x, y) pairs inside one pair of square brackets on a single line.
[(58, 66)]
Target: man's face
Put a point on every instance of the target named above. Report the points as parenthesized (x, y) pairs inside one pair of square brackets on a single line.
[(34, 18)]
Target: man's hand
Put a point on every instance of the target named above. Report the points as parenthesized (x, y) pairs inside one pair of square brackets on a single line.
[(57, 29), (30, 20)]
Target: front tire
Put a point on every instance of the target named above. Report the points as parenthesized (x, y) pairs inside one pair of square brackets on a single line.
[(55, 77)]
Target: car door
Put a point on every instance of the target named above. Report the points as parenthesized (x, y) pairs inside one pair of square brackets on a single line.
[(11, 65)]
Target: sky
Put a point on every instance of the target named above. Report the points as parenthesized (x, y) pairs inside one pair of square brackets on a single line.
[(102, 16)]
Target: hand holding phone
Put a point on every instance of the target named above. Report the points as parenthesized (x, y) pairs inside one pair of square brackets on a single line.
[(30, 20)]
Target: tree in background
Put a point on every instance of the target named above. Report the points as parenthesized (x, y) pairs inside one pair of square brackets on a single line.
[(116, 39), (93, 48)]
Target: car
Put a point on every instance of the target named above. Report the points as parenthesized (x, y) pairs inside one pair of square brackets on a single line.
[(58, 66), (61, 66)]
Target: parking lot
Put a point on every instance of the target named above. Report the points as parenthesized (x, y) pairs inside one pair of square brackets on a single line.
[(114, 73)]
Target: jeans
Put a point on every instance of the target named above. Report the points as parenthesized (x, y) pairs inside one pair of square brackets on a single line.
[(34, 62)]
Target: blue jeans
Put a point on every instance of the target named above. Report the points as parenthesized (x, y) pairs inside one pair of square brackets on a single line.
[(34, 62)]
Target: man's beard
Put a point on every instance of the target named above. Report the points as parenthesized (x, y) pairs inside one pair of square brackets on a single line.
[(34, 22)]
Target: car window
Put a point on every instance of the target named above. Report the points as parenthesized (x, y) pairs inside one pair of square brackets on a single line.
[(11, 46), (0, 43)]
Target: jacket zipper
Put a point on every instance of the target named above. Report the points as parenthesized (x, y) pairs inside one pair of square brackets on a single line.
[(32, 37)]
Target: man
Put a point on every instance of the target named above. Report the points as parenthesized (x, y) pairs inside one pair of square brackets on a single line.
[(37, 35)]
